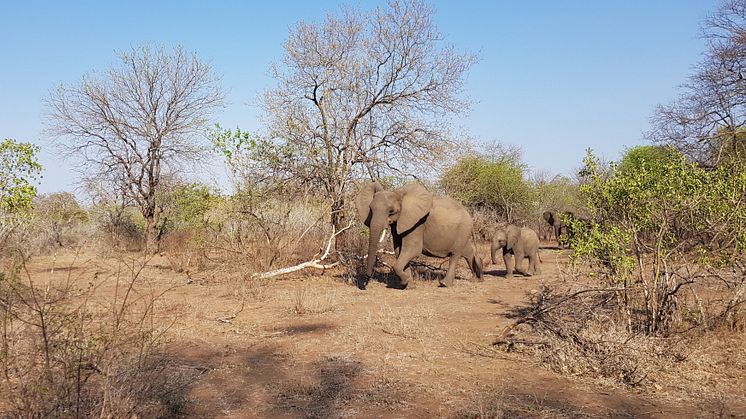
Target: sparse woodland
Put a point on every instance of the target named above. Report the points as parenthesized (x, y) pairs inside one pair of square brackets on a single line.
[(149, 293)]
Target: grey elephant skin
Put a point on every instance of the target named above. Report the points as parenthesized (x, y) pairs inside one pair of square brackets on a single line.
[(558, 222), (554, 219), (420, 224), (521, 242)]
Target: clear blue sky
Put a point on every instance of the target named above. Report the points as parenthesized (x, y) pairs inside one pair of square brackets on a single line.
[(554, 77)]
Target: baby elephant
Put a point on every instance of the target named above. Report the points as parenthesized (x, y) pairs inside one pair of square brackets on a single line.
[(522, 242)]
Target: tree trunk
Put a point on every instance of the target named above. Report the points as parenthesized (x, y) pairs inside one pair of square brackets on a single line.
[(151, 234), (339, 222)]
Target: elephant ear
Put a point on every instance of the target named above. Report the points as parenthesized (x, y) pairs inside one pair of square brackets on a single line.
[(416, 202), (512, 234), (363, 199)]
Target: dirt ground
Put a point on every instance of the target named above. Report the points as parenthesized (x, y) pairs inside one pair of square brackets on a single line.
[(314, 345)]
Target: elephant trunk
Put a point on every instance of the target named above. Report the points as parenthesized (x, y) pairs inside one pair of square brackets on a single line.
[(493, 250), (376, 227)]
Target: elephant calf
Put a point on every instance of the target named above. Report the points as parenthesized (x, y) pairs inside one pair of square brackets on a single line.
[(521, 242)]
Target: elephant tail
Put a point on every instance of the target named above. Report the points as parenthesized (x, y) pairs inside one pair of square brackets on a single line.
[(476, 262), (476, 266)]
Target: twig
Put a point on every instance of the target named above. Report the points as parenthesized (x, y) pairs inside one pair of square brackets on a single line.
[(228, 319)]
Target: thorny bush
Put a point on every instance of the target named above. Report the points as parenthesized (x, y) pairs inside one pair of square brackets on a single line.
[(66, 352)]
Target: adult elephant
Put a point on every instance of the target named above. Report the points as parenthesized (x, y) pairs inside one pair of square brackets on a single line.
[(559, 221), (420, 224), (555, 219), (521, 242)]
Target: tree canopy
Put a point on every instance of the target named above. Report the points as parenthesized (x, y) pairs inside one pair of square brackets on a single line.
[(137, 121), (363, 94), (707, 121), (19, 169), (498, 183)]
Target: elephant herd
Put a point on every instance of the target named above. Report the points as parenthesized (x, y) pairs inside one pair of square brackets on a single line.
[(440, 227)]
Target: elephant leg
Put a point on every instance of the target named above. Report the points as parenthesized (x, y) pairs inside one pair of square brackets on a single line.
[(508, 264), (401, 267), (535, 264), (451, 273), (519, 259)]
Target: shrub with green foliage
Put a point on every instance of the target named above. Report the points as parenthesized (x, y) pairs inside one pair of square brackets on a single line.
[(19, 168), (193, 203), (498, 183), (56, 216), (655, 212)]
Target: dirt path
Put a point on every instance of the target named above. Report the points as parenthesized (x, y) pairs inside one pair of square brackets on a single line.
[(316, 346)]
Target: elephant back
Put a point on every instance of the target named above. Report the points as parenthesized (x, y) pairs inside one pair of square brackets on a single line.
[(448, 211)]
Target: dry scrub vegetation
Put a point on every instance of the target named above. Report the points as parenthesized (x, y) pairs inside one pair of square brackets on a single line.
[(216, 342), (162, 297)]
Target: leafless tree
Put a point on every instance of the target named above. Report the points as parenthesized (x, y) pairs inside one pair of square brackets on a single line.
[(137, 120), (707, 121), (364, 94)]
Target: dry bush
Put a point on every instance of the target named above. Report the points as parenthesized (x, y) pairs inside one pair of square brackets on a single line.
[(185, 250), (69, 352), (308, 300), (119, 227), (485, 223), (584, 332), (279, 232), (579, 335)]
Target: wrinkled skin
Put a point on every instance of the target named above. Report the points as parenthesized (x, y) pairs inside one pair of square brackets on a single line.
[(420, 224), (521, 242)]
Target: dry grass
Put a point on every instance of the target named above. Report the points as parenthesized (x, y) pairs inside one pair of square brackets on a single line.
[(313, 346), (416, 322), (310, 301), (79, 345)]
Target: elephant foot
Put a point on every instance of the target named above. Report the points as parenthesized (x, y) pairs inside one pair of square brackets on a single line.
[(447, 282), (399, 284)]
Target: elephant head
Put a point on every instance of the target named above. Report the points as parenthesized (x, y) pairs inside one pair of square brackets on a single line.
[(549, 217), (504, 238), (402, 208)]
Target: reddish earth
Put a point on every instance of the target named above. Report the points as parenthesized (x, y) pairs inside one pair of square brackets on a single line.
[(313, 345)]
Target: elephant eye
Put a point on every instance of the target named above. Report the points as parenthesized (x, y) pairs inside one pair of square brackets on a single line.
[(392, 211)]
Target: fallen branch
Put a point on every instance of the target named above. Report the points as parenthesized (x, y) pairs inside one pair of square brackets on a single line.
[(532, 316), (315, 263)]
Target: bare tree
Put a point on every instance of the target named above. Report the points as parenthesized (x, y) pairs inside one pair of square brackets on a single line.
[(138, 120), (363, 94), (708, 120)]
